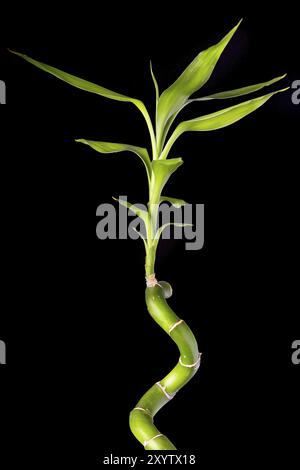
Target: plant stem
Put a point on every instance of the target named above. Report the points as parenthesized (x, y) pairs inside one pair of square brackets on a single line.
[(141, 417), (151, 247), (153, 205), (150, 261), (170, 143), (151, 130)]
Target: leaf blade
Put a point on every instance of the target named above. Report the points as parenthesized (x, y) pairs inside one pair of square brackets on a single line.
[(190, 81), (219, 119), (163, 227), (239, 91), (227, 116), (110, 147), (76, 81), (90, 87), (155, 83), (177, 203), (139, 212), (161, 172)]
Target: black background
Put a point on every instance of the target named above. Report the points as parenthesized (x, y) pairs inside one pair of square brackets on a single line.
[(81, 348)]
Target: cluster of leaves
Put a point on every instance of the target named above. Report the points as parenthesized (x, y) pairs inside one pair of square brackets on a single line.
[(168, 106)]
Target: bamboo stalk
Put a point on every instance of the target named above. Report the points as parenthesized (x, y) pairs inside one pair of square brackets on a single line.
[(141, 417)]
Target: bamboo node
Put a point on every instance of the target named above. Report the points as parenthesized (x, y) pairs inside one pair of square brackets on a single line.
[(151, 281), (163, 389), (196, 364), (175, 325), (155, 437), (139, 408)]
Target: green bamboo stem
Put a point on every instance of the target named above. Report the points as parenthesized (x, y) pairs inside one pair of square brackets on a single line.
[(141, 417)]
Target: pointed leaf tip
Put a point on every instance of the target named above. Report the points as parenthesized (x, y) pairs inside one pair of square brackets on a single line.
[(110, 147), (90, 87), (141, 213), (155, 83), (13, 52), (198, 72), (177, 203), (219, 119), (238, 91)]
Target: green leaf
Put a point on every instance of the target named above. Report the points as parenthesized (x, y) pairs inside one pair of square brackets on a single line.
[(156, 90), (167, 126), (142, 237), (155, 83), (190, 81), (175, 202), (139, 234), (136, 210), (93, 88), (161, 172), (223, 95), (163, 227), (78, 82), (217, 120), (109, 147), (238, 91)]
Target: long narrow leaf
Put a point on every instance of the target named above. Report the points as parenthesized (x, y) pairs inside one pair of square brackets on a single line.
[(161, 172), (142, 237), (155, 83), (191, 80), (177, 203), (238, 91), (109, 147), (163, 227), (222, 95), (92, 88), (156, 90), (135, 209), (217, 120), (78, 82)]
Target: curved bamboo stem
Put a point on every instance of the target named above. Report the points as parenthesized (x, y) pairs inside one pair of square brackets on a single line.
[(141, 417)]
